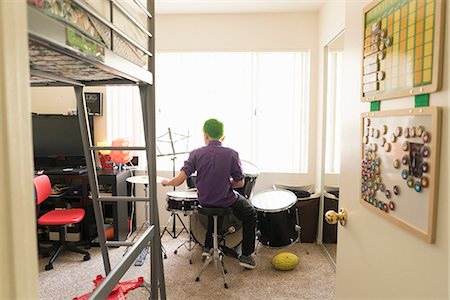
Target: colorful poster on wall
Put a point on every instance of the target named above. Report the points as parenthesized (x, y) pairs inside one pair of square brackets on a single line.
[(399, 167), (403, 42)]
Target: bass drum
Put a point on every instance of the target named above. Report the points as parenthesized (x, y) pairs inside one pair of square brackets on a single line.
[(199, 225)]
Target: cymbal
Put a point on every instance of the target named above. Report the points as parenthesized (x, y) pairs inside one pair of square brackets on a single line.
[(143, 179)]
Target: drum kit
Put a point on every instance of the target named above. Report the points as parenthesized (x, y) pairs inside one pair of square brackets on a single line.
[(277, 218)]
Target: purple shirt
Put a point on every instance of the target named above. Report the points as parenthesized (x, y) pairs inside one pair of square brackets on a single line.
[(215, 165)]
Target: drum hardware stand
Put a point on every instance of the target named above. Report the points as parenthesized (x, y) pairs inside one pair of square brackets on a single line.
[(174, 154), (189, 241)]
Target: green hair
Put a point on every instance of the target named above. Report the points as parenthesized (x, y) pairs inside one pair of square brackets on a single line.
[(213, 128)]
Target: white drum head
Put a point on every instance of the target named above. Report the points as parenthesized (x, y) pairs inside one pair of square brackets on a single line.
[(181, 195), (249, 169), (274, 200)]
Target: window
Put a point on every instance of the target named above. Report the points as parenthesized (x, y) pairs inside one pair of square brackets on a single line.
[(262, 98)]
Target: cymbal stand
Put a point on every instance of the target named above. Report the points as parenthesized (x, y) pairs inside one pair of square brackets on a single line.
[(141, 258)]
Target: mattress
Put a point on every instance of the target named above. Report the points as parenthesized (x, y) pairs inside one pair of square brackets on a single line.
[(70, 13)]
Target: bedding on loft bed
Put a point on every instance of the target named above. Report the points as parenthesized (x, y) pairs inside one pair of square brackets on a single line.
[(80, 19)]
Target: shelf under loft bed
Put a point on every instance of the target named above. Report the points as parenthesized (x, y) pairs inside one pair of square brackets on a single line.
[(62, 54)]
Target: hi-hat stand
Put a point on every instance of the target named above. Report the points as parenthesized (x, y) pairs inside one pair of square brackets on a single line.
[(174, 215)]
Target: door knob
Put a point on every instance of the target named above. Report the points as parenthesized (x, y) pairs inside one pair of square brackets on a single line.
[(333, 217)]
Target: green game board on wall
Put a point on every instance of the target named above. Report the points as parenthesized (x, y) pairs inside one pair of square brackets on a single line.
[(402, 53)]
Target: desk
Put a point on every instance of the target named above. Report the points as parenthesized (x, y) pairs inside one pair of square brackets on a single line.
[(114, 178)]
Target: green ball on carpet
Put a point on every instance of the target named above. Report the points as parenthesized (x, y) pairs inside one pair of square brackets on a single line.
[(285, 261)]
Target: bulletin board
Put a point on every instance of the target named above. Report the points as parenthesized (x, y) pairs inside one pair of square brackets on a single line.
[(399, 167), (403, 41)]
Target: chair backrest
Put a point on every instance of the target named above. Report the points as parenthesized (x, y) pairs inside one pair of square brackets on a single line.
[(42, 187)]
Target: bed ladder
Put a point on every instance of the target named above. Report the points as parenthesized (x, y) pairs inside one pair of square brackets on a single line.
[(152, 233)]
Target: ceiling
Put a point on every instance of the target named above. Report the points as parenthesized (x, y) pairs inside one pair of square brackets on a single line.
[(235, 6)]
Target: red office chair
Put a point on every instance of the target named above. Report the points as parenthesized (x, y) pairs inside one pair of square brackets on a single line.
[(60, 218)]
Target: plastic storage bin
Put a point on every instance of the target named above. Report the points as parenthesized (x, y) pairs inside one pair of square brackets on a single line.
[(308, 199), (331, 202)]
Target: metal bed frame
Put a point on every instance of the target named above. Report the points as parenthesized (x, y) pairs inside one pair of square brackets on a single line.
[(50, 35)]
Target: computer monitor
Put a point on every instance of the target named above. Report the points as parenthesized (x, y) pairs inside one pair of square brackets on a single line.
[(57, 140)]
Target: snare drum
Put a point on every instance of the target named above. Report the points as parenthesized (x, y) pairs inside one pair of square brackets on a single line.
[(185, 201), (199, 225), (276, 217), (251, 172)]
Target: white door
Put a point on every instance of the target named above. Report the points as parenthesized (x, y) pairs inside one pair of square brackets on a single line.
[(375, 258)]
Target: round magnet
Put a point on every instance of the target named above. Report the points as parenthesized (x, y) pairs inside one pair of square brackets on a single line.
[(391, 205), (372, 132), (396, 189), (373, 155), (425, 151), (382, 187), (375, 186), (370, 200), (363, 189), (377, 170), (366, 131), (410, 182), (365, 140), (380, 74), (385, 207), (375, 202), (418, 186), (393, 138), (382, 142), (377, 161), (396, 163), (405, 159), (405, 146), (380, 204), (405, 174), (387, 193), (412, 132), (398, 131), (378, 179), (381, 46), (426, 137), (419, 131), (381, 54), (424, 167), (374, 147), (406, 132), (367, 122), (384, 129), (424, 181), (387, 147), (383, 33), (377, 133)]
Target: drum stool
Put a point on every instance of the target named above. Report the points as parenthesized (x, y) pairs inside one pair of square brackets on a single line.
[(216, 253)]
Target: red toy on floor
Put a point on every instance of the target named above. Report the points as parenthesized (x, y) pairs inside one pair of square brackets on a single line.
[(119, 291)]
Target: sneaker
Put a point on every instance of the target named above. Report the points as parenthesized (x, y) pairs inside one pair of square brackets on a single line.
[(247, 262), (206, 252)]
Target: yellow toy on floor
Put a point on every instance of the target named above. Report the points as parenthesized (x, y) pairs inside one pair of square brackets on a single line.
[(285, 261)]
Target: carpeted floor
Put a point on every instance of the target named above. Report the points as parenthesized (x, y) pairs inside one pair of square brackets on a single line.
[(313, 278)]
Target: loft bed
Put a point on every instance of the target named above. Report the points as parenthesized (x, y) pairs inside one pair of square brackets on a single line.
[(72, 43), (92, 43)]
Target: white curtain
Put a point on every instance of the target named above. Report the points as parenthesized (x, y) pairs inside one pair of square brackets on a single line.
[(124, 117), (262, 98)]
